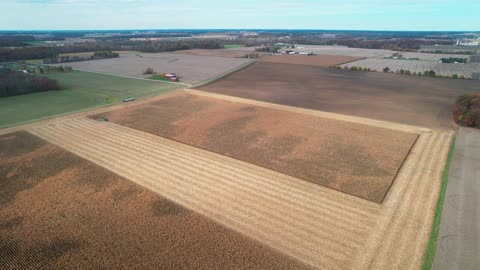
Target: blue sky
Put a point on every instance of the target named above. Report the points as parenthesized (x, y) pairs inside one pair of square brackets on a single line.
[(277, 14)]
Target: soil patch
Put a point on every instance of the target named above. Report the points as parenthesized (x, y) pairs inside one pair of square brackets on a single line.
[(411, 100)]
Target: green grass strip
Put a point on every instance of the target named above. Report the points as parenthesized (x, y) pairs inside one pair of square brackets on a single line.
[(432, 244), (232, 46), (160, 78)]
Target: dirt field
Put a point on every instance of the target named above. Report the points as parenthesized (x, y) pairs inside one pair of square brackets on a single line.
[(59, 211), (404, 99), (310, 60), (219, 52), (318, 150), (133, 64)]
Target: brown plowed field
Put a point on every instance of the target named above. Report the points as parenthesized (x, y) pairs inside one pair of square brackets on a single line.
[(353, 158), (404, 99), (220, 53), (310, 60), (59, 211)]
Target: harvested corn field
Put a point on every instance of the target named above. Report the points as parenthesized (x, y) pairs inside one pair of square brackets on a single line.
[(59, 211), (310, 60), (319, 226), (352, 158)]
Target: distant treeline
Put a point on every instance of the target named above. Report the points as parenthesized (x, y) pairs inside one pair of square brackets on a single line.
[(175, 45), (13, 83), (74, 58), (122, 43), (43, 52), (26, 53), (448, 52), (271, 49), (15, 41), (21, 40), (149, 35)]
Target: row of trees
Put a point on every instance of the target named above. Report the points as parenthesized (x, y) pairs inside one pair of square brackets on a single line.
[(426, 73), (75, 58), (15, 41), (453, 60), (271, 49), (26, 53), (13, 83), (448, 52), (42, 52), (175, 45)]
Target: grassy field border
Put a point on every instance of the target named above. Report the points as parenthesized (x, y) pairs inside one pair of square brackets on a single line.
[(432, 243)]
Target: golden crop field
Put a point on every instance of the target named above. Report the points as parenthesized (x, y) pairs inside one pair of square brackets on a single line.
[(320, 227)]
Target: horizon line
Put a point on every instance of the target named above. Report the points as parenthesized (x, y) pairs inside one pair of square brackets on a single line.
[(234, 29)]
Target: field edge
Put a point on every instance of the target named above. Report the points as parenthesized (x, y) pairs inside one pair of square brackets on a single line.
[(223, 75), (429, 255)]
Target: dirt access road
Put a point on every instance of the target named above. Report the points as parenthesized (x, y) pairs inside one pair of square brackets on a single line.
[(459, 240)]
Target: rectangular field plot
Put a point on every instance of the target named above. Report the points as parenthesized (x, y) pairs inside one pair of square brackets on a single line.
[(413, 100), (367, 53), (467, 70), (60, 211), (191, 68), (353, 158), (310, 60)]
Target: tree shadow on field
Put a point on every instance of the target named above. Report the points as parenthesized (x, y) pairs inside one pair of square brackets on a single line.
[(11, 223), (34, 161)]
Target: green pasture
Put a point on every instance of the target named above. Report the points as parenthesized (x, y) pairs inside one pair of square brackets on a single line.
[(81, 90)]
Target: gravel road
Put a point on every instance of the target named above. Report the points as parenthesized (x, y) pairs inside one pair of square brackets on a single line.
[(459, 239)]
